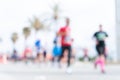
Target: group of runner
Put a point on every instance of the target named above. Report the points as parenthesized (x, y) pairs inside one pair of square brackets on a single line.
[(66, 45), (63, 48)]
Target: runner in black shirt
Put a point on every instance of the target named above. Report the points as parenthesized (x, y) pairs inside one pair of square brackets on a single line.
[(100, 37)]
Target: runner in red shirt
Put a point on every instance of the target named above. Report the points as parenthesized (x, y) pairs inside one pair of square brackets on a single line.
[(66, 41)]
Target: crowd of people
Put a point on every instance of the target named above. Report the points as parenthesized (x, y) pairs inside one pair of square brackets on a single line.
[(62, 50)]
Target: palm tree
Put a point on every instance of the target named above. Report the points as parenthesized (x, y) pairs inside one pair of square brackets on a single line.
[(36, 24), (54, 16), (14, 37), (26, 32), (56, 10)]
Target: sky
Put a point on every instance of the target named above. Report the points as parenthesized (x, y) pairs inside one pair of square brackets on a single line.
[(85, 17)]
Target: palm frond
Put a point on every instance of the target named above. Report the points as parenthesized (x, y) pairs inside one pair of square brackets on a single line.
[(14, 37), (26, 31)]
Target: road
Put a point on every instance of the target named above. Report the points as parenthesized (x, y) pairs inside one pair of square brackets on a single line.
[(81, 71)]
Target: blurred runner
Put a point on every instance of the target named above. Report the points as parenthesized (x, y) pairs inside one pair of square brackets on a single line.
[(100, 37), (66, 42), (56, 48)]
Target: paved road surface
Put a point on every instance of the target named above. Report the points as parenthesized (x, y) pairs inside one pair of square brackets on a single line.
[(81, 71)]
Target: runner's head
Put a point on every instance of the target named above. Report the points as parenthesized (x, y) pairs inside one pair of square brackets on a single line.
[(100, 27), (67, 21)]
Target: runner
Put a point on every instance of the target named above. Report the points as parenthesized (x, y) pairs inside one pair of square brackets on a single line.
[(56, 49), (100, 37), (66, 42), (39, 51)]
